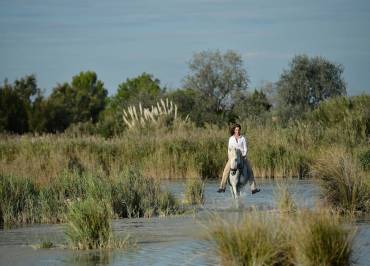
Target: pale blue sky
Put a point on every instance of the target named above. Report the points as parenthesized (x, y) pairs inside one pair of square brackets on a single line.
[(120, 39)]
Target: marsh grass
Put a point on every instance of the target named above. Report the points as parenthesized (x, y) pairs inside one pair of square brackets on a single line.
[(258, 240), (134, 195), (284, 199), (343, 182), (89, 224), (46, 244), (23, 200), (321, 238), (306, 238), (194, 191), (287, 236)]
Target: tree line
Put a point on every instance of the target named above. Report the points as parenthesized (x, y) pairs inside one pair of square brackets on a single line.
[(215, 91)]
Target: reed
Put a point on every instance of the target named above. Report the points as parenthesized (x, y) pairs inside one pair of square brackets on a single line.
[(306, 238), (89, 224), (194, 191), (322, 239), (284, 199), (258, 240), (24, 200), (344, 183)]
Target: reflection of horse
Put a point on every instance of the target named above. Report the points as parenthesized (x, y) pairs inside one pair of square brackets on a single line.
[(239, 175)]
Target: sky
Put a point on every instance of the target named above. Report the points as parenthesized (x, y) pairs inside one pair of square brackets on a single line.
[(120, 39)]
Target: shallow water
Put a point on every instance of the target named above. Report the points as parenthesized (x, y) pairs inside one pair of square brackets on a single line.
[(178, 240)]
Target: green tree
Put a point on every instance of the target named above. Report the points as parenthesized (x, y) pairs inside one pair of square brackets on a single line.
[(254, 105), (308, 82), (144, 89), (19, 104), (80, 101), (218, 78), (13, 111)]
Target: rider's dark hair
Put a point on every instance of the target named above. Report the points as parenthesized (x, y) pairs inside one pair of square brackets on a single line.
[(232, 128)]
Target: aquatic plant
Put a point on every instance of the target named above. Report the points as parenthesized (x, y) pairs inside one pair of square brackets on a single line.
[(306, 238), (89, 224), (23, 200), (320, 238), (259, 239), (134, 195), (194, 191), (343, 182), (284, 199), (18, 200)]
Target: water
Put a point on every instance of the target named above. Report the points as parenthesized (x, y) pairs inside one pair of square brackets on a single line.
[(178, 240)]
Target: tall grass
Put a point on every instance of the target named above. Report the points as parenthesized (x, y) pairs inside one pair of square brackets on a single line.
[(24, 200), (194, 191), (258, 240), (89, 224), (322, 239), (344, 183), (284, 199), (306, 238)]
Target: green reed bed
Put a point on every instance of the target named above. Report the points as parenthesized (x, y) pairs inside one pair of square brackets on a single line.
[(24, 200), (186, 152), (194, 191), (272, 238), (89, 225), (345, 185), (258, 240)]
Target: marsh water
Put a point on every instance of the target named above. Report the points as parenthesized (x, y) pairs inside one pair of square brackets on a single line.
[(175, 240)]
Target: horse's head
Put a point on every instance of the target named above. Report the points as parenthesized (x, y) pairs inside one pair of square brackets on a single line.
[(235, 158)]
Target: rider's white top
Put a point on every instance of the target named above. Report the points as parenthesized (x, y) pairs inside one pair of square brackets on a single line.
[(240, 144)]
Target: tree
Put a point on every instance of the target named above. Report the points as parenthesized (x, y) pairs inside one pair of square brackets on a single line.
[(144, 89), (218, 77), (19, 104), (13, 111), (253, 105), (308, 82), (80, 101)]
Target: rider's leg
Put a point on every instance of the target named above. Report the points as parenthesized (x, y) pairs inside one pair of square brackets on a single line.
[(225, 175)]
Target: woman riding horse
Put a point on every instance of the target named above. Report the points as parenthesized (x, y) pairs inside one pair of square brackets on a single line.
[(237, 141)]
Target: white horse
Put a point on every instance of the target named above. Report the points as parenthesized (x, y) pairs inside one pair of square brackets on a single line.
[(239, 175)]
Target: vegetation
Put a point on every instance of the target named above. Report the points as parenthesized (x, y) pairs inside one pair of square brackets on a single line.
[(344, 183), (320, 238), (26, 200), (284, 199), (307, 83), (194, 191), (304, 238), (89, 224), (258, 240)]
